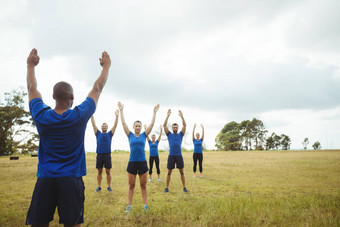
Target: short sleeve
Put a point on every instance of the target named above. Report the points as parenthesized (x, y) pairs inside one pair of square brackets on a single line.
[(37, 106), (87, 107)]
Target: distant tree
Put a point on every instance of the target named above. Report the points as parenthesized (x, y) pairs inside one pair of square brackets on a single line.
[(285, 142), (305, 143), (317, 145), (277, 141), (14, 119), (270, 142), (229, 137)]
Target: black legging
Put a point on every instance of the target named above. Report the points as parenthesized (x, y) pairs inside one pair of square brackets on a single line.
[(156, 159), (199, 157)]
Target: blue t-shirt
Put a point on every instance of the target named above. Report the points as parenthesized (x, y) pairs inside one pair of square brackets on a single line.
[(175, 142), (198, 146), (153, 148), (103, 142), (137, 147), (61, 145)]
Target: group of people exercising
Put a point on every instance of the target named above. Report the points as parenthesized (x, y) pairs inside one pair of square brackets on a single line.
[(61, 153), (137, 162)]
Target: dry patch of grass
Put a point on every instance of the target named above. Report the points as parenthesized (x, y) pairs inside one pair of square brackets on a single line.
[(239, 188)]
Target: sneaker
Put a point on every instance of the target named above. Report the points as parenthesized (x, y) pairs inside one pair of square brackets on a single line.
[(128, 209), (109, 189), (166, 190), (159, 179), (146, 208), (185, 190), (98, 189), (201, 175), (194, 175), (150, 179)]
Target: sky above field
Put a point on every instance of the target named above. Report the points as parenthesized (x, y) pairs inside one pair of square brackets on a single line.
[(217, 61)]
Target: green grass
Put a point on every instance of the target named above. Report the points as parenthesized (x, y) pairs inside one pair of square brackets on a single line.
[(284, 188)]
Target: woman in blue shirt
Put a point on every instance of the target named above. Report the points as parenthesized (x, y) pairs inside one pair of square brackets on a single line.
[(153, 157), (137, 161), (198, 150)]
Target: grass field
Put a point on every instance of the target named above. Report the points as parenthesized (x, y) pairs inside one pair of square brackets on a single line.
[(285, 188)]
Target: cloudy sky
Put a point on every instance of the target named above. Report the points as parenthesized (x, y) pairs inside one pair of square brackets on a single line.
[(217, 61)]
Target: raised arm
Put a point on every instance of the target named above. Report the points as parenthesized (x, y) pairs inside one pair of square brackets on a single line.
[(125, 127), (160, 134), (98, 86), (193, 132), (95, 128), (148, 130), (184, 128), (113, 129), (165, 125), (32, 62), (147, 137), (202, 132)]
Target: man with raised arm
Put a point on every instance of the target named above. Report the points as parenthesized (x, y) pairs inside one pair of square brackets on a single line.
[(175, 153), (61, 148), (103, 151)]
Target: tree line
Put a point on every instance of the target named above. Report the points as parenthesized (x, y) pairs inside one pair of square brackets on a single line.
[(250, 135)]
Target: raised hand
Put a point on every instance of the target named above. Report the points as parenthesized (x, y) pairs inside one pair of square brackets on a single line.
[(169, 112), (180, 113), (120, 106), (195, 125), (105, 60), (156, 108), (117, 113), (161, 127), (145, 127), (33, 58), (201, 125)]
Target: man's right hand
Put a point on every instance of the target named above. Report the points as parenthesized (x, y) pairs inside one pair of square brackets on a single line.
[(105, 60), (169, 112), (33, 58)]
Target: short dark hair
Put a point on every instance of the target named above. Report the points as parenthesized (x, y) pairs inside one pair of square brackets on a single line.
[(174, 124), (62, 90), (138, 121)]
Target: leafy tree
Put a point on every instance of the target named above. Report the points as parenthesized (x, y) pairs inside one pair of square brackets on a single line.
[(229, 137), (14, 120), (305, 143), (285, 142), (317, 145), (270, 142)]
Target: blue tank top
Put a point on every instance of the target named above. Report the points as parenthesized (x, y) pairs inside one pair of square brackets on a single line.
[(198, 148), (61, 150), (104, 142), (137, 147), (153, 148)]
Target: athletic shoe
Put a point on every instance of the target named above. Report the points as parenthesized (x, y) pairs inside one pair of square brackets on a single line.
[(128, 209), (166, 190), (146, 208), (185, 190), (150, 179), (201, 175), (109, 189), (98, 189), (159, 179)]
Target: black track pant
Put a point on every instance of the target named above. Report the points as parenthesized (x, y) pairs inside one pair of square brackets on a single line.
[(198, 157), (156, 159)]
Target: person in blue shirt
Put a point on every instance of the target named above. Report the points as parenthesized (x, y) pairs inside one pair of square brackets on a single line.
[(153, 156), (175, 152), (198, 150), (103, 151), (61, 152), (137, 161)]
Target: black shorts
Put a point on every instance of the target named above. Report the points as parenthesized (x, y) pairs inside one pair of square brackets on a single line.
[(178, 159), (104, 160), (66, 192), (137, 167)]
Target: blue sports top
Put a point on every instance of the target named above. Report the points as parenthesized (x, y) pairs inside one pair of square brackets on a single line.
[(175, 142), (103, 142), (61, 146), (198, 146), (153, 148), (137, 147)]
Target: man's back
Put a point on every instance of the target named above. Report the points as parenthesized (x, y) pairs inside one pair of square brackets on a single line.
[(61, 147)]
